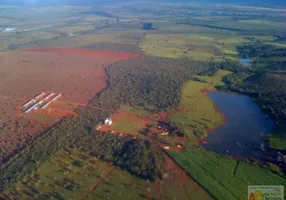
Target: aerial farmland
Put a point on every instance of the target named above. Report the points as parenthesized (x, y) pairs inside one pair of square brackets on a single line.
[(141, 100)]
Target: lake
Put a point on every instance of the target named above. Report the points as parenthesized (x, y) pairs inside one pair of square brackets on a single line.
[(245, 61), (245, 123)]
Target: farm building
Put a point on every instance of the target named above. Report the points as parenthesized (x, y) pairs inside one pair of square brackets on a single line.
[(108, 122), (40, 101)]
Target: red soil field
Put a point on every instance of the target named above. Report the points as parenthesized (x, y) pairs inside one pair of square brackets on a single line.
[(78, 74)]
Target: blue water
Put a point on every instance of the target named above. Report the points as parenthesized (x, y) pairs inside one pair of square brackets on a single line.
[(245, 61), (241, 135)]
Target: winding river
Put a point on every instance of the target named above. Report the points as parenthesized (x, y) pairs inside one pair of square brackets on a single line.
[(245, 124)]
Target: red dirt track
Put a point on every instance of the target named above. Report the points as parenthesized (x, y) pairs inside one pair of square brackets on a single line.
[(78, 74)]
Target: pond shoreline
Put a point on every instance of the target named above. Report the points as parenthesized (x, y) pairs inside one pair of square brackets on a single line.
[(240, 134)]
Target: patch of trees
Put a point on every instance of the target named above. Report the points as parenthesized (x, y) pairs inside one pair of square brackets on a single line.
[(151, 82), (139, 157), (260, 50), (92, 115)]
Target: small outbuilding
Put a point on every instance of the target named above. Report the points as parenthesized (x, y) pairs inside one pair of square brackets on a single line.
[(108, 122)]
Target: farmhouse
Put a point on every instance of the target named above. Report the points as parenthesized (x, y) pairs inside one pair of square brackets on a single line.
[(108, 122)]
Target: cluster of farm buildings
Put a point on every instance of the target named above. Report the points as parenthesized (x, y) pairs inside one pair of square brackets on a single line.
[(41, 101)]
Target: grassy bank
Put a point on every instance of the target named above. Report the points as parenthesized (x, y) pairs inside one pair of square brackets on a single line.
[(197, 112), (277, 139)]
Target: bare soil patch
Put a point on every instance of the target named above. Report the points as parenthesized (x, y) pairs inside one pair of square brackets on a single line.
[(78, 74)]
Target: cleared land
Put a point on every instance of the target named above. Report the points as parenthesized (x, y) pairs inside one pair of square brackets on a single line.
[(77, 74), (198, 114), (205, 47), (127, 123)]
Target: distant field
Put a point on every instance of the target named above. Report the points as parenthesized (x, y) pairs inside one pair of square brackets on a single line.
[(15, 39), (84, 40), (222, 176), (204, 47), (198, 113), (169, 28), (256, 25), (74, 29)]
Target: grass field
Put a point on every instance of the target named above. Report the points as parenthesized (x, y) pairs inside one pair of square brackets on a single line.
[(222, 176), (16, 39), (204, 47), (198, 111), (126, 122), (121, 185), (67, 176)]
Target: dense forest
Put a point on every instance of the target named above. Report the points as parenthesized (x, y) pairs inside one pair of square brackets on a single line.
[(136, 156), (151, 82), (265, 80)]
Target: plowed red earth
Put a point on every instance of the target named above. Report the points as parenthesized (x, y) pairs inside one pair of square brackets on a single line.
[(78, 74)]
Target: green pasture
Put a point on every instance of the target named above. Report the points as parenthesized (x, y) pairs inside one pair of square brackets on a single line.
[(204, 47), (222, 176), (121, 185), (125, 125), (198, 111), (66, 176)]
